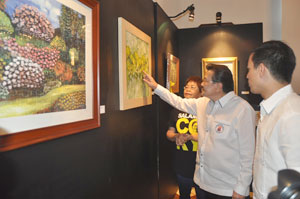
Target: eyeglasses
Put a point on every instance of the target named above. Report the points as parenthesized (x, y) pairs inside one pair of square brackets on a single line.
[(208, 81), (190, 87)]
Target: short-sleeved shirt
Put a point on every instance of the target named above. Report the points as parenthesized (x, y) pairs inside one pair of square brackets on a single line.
[(185, 155)]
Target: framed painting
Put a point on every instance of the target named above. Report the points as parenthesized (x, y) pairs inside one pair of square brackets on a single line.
[(172, 82), (49, 70), (230, 62), (134, 58)]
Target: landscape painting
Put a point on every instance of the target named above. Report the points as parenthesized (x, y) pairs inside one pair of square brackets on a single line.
[(134, 58), (45, 64)]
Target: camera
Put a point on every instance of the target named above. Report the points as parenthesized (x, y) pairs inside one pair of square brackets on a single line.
[(288, 185)]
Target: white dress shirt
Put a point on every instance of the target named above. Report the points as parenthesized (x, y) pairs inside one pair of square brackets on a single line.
[(278, 140), (225, 141)]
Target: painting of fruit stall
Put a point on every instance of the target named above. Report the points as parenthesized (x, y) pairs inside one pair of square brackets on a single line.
[(48, 67)]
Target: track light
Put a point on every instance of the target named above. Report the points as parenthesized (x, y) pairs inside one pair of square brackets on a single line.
[(191, 9), (219, 18), (192, 14)]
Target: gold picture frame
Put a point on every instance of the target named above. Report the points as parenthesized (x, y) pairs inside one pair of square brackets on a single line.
[(172, 82), (230, 62), (134, 58)]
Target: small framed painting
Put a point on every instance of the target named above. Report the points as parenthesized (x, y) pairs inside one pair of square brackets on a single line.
[(230, 62), (172, 82), (134, 58)]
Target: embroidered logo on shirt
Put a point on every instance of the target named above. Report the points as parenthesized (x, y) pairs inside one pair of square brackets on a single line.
[(219, 128)]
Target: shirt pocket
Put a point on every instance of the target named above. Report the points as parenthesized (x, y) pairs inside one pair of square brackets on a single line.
[(221, 129)]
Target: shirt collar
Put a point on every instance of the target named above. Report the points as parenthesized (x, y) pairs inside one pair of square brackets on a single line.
[(269, 104), (226, 98)]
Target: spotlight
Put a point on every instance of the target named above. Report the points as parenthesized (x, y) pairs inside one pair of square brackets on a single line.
[(192, 14), (191, 9), (219, 18)]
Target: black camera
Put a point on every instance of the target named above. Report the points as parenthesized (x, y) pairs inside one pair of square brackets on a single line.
[(288, 185)]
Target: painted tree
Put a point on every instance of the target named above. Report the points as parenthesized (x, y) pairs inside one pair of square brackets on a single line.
[(65, 24), (58, 43), (72, 27), (6, 28)]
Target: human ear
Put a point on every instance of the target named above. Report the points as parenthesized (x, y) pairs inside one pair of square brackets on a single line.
[(262, 69), (219, 86)]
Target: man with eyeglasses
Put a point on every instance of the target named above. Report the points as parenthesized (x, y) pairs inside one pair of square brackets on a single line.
[(226, 126)]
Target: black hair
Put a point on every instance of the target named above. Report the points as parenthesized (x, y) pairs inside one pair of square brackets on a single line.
[(223, 75), (278, 57), (195, 79)]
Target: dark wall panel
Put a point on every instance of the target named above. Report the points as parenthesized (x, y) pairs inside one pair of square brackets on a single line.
[(166, 43), (117, 160), (219, 41)]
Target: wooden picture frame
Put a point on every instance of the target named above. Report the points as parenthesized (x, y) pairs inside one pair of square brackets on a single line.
[(134, 58), (230, 62), (81, 111), (172, 80)]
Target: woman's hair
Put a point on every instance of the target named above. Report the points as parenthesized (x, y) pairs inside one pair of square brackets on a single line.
[(196, 79)]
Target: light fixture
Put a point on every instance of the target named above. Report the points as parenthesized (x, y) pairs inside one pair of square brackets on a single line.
[(219, 18), (218, 22), (191, 9)]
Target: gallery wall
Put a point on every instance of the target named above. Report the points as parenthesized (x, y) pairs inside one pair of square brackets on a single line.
[(129, 156), (210, 41), (166, 43), (117, 160)]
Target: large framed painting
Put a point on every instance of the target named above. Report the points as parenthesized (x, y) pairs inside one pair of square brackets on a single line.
[(134, 58), (230, 62), (172, 82), (49, 62)]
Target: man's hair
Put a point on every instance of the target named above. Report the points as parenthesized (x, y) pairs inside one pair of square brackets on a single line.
[(223, 75), (278, 57), (195, 79)]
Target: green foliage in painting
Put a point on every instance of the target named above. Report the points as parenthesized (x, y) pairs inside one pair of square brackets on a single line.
[(65, 24), (5, 58), (137, 61), (36, 59), (72, 27), (24, 40), (135, 64), (58, 43), (5, 25)]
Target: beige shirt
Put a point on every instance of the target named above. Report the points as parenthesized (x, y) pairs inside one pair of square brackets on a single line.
[(225, 141)]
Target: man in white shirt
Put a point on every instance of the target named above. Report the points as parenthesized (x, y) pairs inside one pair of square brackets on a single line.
[(270, 69), (226, 125)]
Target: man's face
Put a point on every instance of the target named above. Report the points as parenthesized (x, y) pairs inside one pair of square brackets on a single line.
[(253, 76), (209, 87)]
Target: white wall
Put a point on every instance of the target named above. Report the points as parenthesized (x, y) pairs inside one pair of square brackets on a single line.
[(235, 11), (291, 34), (280, 19)]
